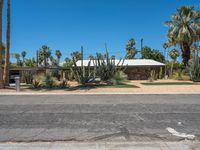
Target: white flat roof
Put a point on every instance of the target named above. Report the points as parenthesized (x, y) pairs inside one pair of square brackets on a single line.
[(128, 62)]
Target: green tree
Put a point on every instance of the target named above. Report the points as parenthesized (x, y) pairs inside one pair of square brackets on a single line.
[(184, 28), (23, 54), (30, 62), (148, 53), (130, 49), (58, 55)]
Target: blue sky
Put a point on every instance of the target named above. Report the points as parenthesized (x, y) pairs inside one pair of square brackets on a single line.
[(68, 24)]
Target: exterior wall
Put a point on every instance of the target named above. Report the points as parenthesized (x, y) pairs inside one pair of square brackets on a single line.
[(140, 73), (1, 77)]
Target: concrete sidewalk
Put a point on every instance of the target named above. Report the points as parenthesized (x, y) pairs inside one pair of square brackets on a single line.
[(185, 145)]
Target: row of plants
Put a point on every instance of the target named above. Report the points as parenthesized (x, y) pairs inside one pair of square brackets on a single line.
[(99, 70), (48, 81)]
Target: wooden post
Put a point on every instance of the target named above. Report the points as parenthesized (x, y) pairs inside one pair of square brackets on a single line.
[(1, 78)]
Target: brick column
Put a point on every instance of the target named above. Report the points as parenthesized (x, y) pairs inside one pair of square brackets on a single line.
[(1, 78)]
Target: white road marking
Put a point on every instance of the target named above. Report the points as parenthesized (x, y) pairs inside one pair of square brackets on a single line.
[(182, 135)]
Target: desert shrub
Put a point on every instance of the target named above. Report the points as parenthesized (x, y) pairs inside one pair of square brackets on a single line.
[(49, 81), (194, 69), (119, 78), (37, 81), (55, 73), (28, 77), (63, 84), (152, 76)]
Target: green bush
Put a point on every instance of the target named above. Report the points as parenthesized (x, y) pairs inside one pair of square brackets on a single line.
[(49, 81), (119, 78), (28, 78), (194, 69)]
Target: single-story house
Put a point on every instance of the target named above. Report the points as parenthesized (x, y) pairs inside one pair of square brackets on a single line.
[(136, 69)]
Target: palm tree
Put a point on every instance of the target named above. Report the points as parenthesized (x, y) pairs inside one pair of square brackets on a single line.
[(174, 54), (184, 28), (91, 57), (58, 55), (7, 55), (23, 54), (17, 57), (130, 49), (76, 55), (1, 53), (44, 55)]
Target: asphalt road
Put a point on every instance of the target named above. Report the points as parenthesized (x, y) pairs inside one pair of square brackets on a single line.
[(98, 117)]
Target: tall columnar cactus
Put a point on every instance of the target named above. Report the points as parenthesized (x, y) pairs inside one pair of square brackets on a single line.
[(194, 69), (82, 74), (106, 67)]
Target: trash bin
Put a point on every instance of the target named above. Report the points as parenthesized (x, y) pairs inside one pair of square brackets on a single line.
[(17, 83)]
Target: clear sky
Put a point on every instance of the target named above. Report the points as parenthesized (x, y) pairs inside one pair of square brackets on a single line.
[(68, 24)]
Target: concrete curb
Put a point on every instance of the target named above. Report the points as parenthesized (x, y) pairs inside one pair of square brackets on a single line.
[(102, 146), (105, 93)]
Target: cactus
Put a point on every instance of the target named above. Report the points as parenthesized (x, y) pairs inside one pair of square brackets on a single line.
[(194, 69), (82, 74), (105, 67), (152, 76)]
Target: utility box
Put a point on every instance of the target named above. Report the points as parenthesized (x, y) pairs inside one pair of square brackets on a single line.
[(1, 78), (17, 83)]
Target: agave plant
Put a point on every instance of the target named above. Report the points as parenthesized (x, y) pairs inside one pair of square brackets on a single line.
[(194, 69)]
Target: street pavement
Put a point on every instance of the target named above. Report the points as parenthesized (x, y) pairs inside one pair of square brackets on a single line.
[(100, 118)]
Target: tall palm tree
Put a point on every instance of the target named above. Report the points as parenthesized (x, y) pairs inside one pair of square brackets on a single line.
[(130, 49), (76, 55), (1, 43), (44, 55), (7, 55), (23, 54), (1, 59), (174, 54), (58, 55), (184, 28)]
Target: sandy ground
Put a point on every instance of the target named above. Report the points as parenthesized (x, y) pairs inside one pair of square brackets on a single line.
[(141, 89)]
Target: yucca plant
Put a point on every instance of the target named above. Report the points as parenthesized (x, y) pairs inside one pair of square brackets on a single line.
[(37, 81), (194, 69), (119, 78)]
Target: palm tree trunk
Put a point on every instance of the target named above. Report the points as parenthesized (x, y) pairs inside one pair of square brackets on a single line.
[(1, 47), (171, 72), (7, 57), (185, 47)]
